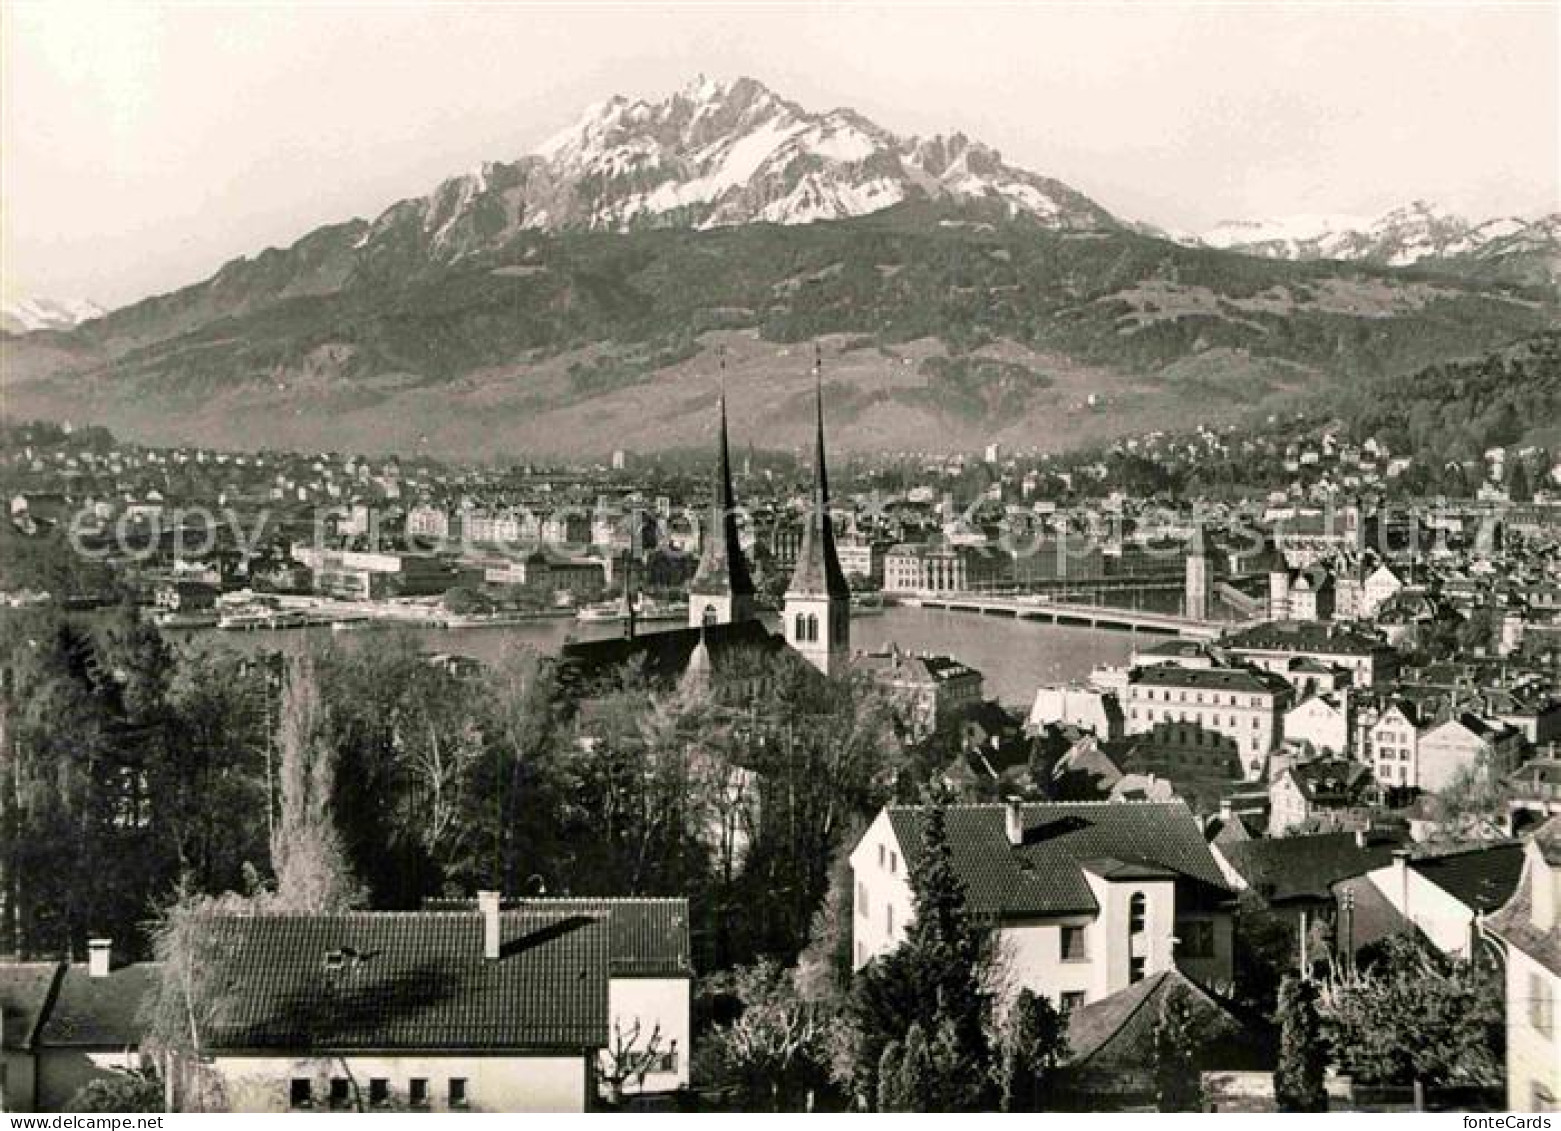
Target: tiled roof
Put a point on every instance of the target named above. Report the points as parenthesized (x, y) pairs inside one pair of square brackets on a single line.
[(1210, 679), (649, 937), (1044, 875), (1514, 924), (1117, 1032), (664, 654), (414, 980), (1482, 879), (24, 990), (1304, 867), (102, 1012), (1330, 779)]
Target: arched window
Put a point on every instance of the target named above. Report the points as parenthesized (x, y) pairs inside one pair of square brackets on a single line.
[(710, 614), (812, 628), (1135, 914), (800, 629)]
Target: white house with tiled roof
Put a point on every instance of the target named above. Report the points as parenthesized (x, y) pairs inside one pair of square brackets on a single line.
[(487, 1010), (1529, 928), (1087, 898)]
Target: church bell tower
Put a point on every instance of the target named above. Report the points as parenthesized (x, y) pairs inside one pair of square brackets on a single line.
[(817, 617)]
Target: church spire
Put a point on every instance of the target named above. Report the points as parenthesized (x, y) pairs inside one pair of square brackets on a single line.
[(818, 564), (722, 590)]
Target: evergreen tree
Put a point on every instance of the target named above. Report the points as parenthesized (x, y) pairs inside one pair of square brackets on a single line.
[(888, 1097), (936, 979), (1035, 1042), (1177, 1044), (1303, 1058), (916, 1072)]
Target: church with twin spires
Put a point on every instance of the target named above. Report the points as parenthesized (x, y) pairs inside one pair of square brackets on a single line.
[(723, 612)]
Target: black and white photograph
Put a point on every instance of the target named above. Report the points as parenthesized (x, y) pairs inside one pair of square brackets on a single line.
[(793, 556)]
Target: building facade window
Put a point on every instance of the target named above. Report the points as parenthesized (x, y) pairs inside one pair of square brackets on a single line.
[(300, 1093), (1073, 944), (379, 1091), (1073, 999), (861, 899), (417, 1092), (1541, 1005), (340, 1093), (1135, 970), (458, 1098), (1135, 913)]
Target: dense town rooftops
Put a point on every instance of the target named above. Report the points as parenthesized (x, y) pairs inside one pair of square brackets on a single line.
[(1044, 873), (414, 980), (1305, 636)]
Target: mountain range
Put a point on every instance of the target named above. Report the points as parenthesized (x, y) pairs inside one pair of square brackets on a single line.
[(573, 301), (26, 315)]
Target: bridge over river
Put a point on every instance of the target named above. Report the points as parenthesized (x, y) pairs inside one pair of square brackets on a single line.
[(1070, 613)]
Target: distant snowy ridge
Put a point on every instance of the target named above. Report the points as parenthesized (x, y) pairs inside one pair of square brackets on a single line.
[(26, 315), (1398, 238)]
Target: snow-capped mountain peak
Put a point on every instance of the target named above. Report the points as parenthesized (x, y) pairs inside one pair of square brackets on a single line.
[(716, 153), (23, 316)]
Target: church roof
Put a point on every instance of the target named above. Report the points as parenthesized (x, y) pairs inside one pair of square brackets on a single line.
[(818, 571), (722, 567), (665, 656)]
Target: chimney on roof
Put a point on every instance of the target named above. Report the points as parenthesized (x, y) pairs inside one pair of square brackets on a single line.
[(488, 907), (1013, 821), (100, 957)]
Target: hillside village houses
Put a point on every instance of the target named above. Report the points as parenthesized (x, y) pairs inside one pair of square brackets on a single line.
[(1086, 899)]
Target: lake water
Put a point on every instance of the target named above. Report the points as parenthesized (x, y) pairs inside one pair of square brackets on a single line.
[(1014, 656)]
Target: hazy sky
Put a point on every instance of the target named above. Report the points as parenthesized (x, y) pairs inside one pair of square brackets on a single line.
[(142, 144)]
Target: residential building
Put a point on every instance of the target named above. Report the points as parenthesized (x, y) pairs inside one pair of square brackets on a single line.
[(1087, 708), (1380, 587), (1323, 721), (863, 558), (1273, 646), (1529, 927), (1243, 705), (372, 575), (444, 1011), (1301, 791), (26, 988), (1312, 596), (930, 689), (1086, 898), (91, 1028), (1393, 744), (1443, 897), (921, 567), (1463, 743)]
